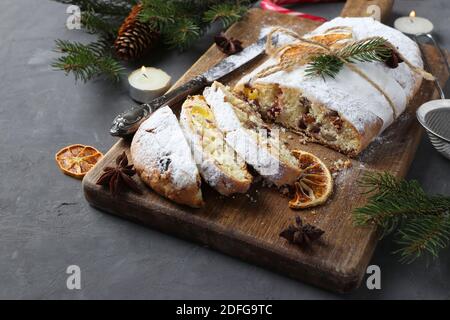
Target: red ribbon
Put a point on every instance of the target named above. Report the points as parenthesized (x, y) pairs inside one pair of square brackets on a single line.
[(276, 5)]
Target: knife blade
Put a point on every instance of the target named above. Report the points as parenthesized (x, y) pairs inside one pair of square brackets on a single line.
[(127, 122)]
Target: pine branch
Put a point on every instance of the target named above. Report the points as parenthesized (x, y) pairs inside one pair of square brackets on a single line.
[(182, 33), (102, 16), (94, 23), (158, 13), (423, 234), (324, 65), (87, 61), (422, 221), (367, 50), (227, 13), (103, 7), (181, 22)]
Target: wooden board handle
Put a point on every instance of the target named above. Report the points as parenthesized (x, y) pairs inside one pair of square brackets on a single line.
[(379, 9)]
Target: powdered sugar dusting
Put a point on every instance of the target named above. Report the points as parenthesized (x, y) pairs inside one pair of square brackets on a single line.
[(160, 137)]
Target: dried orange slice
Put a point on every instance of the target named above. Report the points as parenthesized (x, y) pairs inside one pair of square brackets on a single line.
[(314, 185), (302, 52), (76, 160)]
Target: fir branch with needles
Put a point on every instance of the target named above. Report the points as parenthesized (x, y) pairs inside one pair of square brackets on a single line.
[(87, 61), (95, 59), (367, 50), (182, 33), (420, 222), (181, 23), (103, 7), (98, 24), (227, 13)]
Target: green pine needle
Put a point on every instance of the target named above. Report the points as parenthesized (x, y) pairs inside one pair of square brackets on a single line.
[(182, 33), (423, 234), (103, 7), (367, 50), (422, 221), (182, 22), (87, 61), (324, 65), (95, 23), (158, 13), (227, 13)]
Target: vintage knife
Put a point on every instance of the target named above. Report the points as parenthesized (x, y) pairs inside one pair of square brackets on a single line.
[(126, 123)]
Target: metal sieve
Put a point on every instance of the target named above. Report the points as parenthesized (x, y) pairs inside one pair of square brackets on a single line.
[(434, 116)]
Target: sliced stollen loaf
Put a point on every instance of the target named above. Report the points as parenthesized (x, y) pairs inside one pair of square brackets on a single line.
[(218, 163), (250, 137), (163, 160), (346, 112)]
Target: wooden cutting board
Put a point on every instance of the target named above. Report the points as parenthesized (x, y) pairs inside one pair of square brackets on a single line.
[(248, 226)]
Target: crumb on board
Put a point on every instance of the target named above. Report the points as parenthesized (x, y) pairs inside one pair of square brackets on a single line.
[(340, 164), (284, 190), (253, 200)]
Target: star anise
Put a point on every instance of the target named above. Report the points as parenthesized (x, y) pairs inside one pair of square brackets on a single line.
[(118, 177), (301, 234), (228, 45)]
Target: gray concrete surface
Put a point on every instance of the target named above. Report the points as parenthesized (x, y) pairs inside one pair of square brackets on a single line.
[(46, 225)]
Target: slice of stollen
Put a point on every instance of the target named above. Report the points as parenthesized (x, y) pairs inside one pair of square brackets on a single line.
[(163, 159), (250, 137), (219, 165)]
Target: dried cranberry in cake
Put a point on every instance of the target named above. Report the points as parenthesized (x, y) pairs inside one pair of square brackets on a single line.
[(273, 112), (308, 118), (302, 124), (336, 120), (315, 128), (303, 101), (338, 123), (332, 113)]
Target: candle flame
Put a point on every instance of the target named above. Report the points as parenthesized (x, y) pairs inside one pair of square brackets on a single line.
[(412, 14), (144, 72)]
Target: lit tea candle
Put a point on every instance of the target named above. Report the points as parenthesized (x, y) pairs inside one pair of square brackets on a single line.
[(147, 84), (413, 25)]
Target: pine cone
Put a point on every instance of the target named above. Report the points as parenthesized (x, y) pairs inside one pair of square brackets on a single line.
[(135, 38)]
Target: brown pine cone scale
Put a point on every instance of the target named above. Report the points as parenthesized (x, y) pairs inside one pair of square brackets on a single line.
[(135, 38)]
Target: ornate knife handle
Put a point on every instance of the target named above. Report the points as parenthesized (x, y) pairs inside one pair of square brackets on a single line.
[(127, 122)]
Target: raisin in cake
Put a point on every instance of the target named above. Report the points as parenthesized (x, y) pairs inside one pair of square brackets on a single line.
[(346, 112), (163, 160), (218, 163)]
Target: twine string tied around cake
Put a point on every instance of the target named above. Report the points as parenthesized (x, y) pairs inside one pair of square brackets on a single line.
[(320, 49)]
